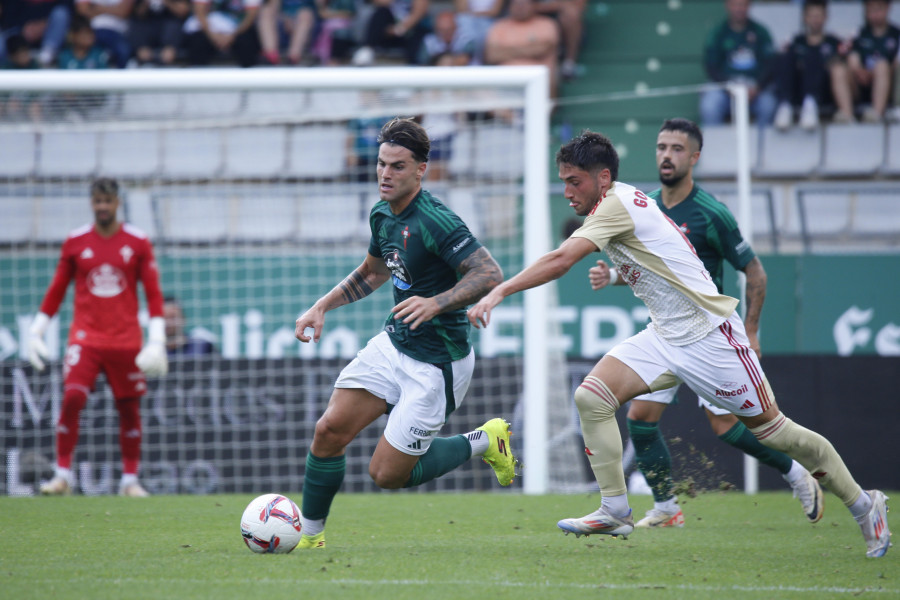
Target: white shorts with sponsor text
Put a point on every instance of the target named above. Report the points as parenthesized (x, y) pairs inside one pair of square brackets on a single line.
[(419, 393), (721, 368)]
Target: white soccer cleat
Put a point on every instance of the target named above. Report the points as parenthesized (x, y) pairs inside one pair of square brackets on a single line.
[(133, 490), (812, 499), (599, 521), (662, 518), (874, 525), (58, 486)]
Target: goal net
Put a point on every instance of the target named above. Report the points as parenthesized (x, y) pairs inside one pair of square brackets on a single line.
[(255, 188)]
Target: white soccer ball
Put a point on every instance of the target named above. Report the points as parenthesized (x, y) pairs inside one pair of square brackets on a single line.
[(271, 524)]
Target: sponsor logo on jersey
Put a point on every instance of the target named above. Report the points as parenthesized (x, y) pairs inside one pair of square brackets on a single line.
[(87, 253), (106, 281), (421, 432), (126, 253), (399, 273), (731, 393), (461, 245)]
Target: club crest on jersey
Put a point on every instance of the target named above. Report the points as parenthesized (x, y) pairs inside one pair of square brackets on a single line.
[(126, 253), (399, 273), (106, 281), (87, 253)]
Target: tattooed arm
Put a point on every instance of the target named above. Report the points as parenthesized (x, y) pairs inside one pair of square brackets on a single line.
[(480, 273), (754, 296), (364, 280)]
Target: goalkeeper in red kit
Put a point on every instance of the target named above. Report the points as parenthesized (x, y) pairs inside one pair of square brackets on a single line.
[(106, 259)]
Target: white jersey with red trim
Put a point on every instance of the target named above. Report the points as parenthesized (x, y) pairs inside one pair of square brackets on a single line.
[(655, 258)]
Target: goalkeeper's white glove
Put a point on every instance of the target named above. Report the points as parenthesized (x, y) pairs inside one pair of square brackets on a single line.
[(37, 349), (152, 358)]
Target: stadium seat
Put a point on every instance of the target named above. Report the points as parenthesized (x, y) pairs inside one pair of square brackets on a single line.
[(719, 155), (464, 202), (328, 214), (876, 214), (148, 104), (130, 154), (192, 153), (265, 104), (277, 222), (211, 104), (255, 151), (17, 153), (792, 153), (892, 155), (67, 153), (317, 151), (17, 216), (763, 208), (853, 150), (826, 212), (139, 211), (333, 104), (497, 148), (192, 219), (57, 215), (462, 150)]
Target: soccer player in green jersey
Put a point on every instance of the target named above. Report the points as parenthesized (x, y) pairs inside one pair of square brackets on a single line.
[(714, 234), (416, 370)]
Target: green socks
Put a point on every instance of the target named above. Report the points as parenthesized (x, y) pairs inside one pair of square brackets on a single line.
[(652, 457), (743, 439), (444, 455), (321, 483)]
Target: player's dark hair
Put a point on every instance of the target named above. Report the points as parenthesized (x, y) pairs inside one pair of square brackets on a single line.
[(105, 185), (591, 152), (809, 3), (684, 126), (409, 134)]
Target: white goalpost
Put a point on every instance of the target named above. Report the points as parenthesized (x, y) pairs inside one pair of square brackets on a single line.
[(255, 187)]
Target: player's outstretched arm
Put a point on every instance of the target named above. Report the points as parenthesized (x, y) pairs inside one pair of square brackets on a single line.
[(603, 275), (479, 272), (549, 267), (364, 280)]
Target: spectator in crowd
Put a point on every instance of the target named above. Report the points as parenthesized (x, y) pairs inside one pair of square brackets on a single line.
[(42, 23), (82, 50), (336, 38), (812, 74), (395, 25), (524, 38), (294, 21), (570, 15), (447, 44), (19, 106), (109, 18), (223, 28), (474, 18), (156, 30), (739, 49), (873, 59), (179, 343)]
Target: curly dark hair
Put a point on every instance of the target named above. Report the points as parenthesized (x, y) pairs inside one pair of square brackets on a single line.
[(409, 134), (684, 126), (591, 152)]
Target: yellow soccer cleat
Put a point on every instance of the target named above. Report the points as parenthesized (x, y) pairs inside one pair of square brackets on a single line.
[(499, 453), (312, 541)]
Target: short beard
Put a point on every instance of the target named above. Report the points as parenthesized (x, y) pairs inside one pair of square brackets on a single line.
[(671, 180)]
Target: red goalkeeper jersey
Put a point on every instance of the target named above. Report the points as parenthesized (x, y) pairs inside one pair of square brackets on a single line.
[(106, 273)]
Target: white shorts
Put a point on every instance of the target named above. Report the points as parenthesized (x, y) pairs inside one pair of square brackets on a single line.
[(721, 368), (667, 396), (420, 395)]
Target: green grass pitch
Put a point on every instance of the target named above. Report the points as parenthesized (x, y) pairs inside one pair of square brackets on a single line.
[(435, 547)]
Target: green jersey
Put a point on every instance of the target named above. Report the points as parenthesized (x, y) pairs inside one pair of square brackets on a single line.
[(423, 246), (872, 48), (711, 229), (748, 54)]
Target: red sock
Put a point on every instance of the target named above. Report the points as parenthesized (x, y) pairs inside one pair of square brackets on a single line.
[(130, 433), (272, 57), (74, 400)]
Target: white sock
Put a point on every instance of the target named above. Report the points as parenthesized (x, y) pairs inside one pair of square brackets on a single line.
[(479, 440), (128, 479), (861, 507), (617, 506), (667, 506), (312, 526), (796, 473), (64, 473)]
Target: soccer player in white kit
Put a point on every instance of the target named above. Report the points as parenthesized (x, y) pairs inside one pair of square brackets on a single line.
[(695, 336)]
